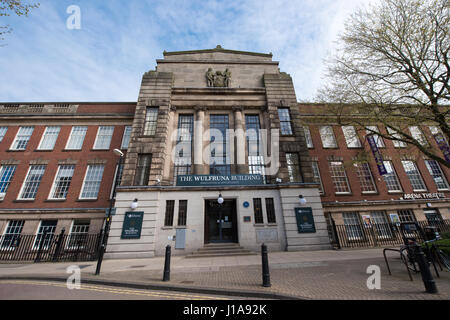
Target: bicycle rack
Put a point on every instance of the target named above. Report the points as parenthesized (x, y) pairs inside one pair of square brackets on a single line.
[(403, 260)]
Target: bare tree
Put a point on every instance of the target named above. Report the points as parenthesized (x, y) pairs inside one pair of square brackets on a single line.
[(19, 7), (391, 67)]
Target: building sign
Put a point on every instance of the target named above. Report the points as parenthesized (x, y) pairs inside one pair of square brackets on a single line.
[(132, 225), (219, 180), (377, 154), (414, 196), (443, 145), (305, 220)]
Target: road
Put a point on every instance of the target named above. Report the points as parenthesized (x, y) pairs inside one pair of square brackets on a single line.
[(45, 290)]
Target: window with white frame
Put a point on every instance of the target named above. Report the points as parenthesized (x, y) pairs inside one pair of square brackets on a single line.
[(414, 175), (327, 137), (92, 181), (370, 130), (365, 176), (381, 224), (308, 137), (285, 121), (78, 234), (183, 149), (406, 215), (48, 228), (352, 224), (62, 182), (49, 138), (22, 138), (339, 177), (417, 134), (351, 137), (76, 138), (396, 135), (126, 137), (391, 179), (253, 136), (3, 132), (142, 174), (316, 174), (6, 175), (293, 166), (104, 136), (151, 120), (32, 182), (437, 174), (11, 236)]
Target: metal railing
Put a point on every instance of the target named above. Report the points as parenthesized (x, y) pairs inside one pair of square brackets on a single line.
[(49, 247), (377, 234)]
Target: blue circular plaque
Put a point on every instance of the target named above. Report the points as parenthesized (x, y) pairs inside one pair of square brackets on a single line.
[(246, 204)]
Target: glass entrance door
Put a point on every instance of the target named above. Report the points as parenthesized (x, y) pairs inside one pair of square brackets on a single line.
[(220, 221)]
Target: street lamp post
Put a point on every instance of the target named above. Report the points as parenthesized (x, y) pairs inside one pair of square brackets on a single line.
[(220, 202), (104, 239)]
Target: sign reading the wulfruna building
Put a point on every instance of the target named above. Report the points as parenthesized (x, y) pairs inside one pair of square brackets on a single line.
[(220, 180)]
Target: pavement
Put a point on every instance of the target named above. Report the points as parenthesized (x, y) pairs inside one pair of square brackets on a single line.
[(327, 274)]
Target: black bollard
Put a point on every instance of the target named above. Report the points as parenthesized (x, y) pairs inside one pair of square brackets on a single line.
[(166, 276), (427, 278), (265, 266)]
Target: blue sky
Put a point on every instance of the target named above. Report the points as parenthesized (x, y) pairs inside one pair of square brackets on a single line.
[(43, 60)]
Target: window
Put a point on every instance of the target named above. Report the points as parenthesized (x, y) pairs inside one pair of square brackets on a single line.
[(257, 209), (395, 135), (437, 174), (365, 178), (78, 234), (379, 140), (406, 215), (76, 138), (6, 175), (255, 157), (308, 137), (183, 150), (49, 138), (285, 121), (143, 170), (327, 137), (126, 138), (104, 135), (270, 210), (11, 237), (220, 155), (316, 173), (151, 120), (22, 138), (62, 182), (414, 175), (293, 166), (352, 226), (182, 212), (48, 226), (92, 181), (32, 182), (351, 137), (391, 179), (118, 173), (433, 216), (3, 132), (168, 219), (381, 224), (339, 177), (417, 134), (433, 129)]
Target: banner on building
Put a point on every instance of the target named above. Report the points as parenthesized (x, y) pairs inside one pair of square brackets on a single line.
[(443, 145), (377, 154)]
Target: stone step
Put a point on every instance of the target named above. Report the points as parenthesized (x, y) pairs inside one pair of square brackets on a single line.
[(220, 250)]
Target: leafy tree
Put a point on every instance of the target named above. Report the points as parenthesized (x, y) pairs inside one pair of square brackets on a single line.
[(391, 67)]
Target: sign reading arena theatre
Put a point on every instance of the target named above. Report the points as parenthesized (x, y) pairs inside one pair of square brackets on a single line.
[(220, 180)]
